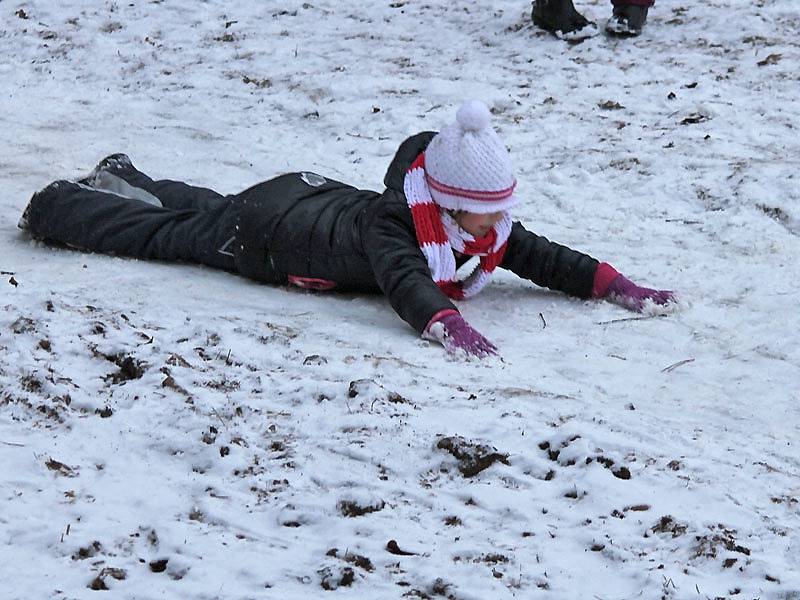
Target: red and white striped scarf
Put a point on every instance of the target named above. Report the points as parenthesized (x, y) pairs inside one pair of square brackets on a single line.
[(439, 235)]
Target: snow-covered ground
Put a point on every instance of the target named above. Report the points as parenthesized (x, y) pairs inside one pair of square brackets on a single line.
[(168, 431)]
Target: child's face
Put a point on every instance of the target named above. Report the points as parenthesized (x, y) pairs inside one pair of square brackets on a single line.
[(475, 224)]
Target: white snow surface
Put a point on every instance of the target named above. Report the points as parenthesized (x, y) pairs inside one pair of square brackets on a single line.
[(170, 431)]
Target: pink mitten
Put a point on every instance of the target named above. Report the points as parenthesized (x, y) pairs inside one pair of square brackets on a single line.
[(451, 330), (609, 284)]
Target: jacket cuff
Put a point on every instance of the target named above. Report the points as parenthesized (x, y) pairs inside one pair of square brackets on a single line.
[(603, 277), (438, 316)]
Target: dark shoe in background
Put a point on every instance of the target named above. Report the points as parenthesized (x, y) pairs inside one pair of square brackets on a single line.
[(561, 19), (627, 20)]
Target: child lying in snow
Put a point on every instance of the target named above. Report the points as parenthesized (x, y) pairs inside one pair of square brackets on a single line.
[(447, 198)]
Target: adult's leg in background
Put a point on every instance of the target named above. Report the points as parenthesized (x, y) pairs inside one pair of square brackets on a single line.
[(100, 221), (560, 18), (628, 17), (645, 3)]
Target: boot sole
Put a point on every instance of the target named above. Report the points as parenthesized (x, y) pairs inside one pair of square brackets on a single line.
[(577, 35), (617, 29)]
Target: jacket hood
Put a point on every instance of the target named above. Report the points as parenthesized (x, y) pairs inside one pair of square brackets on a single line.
[(406, 154)]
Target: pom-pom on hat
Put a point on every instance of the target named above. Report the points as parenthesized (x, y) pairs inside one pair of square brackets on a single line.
[(467, 166)]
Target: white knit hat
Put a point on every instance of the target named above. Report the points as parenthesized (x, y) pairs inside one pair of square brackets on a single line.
[(467, 166)]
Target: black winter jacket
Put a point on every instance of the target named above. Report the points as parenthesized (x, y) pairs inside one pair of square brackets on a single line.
[(309, 226)]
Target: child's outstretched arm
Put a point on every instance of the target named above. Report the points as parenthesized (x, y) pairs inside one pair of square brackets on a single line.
[(403, 275), (612, 286), (549, 264), (557, 267)]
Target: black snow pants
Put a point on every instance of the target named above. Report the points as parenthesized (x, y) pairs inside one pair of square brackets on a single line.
[(193, 224)]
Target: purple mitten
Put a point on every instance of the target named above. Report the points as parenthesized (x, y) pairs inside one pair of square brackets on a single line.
[(626, 293), (455, 334)]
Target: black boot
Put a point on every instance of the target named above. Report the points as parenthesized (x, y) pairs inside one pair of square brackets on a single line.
[(627, 20), (560, 18), (116, 174), (24, 221), (113, 163)]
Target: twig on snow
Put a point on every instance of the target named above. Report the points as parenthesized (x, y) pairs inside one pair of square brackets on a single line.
[(674, 366), (367, 137), (12, 444), (684, 221), (629, 319), (544, 323), (376, 358), (221, 420)]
